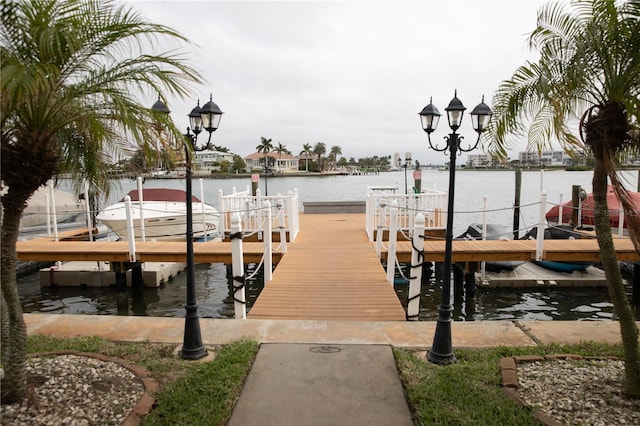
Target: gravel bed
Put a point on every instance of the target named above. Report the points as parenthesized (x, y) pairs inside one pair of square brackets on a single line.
[(578, 392), (75, 390)]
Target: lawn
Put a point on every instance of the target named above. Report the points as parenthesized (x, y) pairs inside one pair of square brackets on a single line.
[(466, 393)]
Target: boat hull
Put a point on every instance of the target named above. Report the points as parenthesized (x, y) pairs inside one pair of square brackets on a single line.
[(163, 221)]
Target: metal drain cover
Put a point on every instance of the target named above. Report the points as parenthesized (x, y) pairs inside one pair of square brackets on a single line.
[(324, 349)]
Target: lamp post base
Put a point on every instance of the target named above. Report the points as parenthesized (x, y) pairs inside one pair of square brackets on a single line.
[(442, 349), (192, 347)]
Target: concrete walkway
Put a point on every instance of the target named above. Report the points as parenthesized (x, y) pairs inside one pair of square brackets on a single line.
[(411, 334), (324, 373)]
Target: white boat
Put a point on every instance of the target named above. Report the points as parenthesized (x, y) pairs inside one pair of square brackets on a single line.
[(165, 216), (68, 208)]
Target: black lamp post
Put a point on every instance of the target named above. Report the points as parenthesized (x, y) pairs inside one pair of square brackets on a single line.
[(207, 118), (407, 163), (442, 350)]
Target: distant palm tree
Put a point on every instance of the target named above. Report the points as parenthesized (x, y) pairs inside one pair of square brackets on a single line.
[(72, 73), (334, 152), (307, 150), (588, 71), (266, 146), (320, 149), (281, 149)]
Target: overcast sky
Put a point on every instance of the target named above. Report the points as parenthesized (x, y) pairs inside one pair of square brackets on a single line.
[(348, 73)]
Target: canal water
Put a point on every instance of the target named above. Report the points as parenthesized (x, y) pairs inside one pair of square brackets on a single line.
[(213, 288)]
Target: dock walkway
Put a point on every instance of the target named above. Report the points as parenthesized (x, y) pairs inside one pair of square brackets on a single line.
[(330, 272)]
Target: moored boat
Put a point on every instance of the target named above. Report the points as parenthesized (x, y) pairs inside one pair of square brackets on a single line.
[(586, 209), (165, 216), (475, 231), (559, 232)]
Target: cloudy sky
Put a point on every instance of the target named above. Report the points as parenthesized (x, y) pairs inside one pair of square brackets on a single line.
[(348, 73)]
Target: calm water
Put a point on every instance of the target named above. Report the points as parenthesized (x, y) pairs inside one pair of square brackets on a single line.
[(213, 292)]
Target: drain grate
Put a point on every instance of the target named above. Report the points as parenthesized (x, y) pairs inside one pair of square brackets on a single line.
[(324, 349)]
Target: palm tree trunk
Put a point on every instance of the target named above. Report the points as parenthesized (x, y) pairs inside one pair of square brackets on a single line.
[(617, 293), (14, 330)]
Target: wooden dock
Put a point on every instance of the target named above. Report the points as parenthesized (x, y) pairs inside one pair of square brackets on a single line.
[(586, 250), (331, 272), (46, 249)]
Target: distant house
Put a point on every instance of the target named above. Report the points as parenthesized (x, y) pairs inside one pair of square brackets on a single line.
[(280, 163), (208, 161)]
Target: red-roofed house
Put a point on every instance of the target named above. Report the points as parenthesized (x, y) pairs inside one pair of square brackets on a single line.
[(281, 163)]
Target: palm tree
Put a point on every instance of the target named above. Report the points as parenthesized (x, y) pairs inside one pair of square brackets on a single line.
[(320, 149), (307, 150), (71, 75), (334, 152), (588, 72), (265, 146), (281, 149)]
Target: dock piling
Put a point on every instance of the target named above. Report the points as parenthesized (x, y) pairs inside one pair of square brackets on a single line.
[(415, 278), (240, 302), (393, 236)]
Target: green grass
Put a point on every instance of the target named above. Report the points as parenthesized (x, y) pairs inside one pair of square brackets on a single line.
[(468, 392)]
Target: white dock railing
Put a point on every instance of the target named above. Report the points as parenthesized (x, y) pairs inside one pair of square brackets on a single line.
[(284, 212), (431, 203)]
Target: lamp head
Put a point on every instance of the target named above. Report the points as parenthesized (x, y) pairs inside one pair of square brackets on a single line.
[(455, 111), (210, 115), (160, 106), (480, 116), (195, 119), (429, 117)]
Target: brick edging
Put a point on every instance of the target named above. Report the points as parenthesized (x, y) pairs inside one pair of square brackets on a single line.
[(144, 404), (509, 374)]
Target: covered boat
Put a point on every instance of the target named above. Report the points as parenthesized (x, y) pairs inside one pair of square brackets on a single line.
[(559, 232), (165, 216), (586, 209), (475, 231)]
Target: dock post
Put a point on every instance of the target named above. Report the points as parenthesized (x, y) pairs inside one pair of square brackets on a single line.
[(393, 236), (137, 278), (470, 280), (541, 219), (575, 205), (239, 300), (143, 235), (281, 226), (516, 205), (268, 244), (54, 218), (255, 181), (130, 232), (415, 277)]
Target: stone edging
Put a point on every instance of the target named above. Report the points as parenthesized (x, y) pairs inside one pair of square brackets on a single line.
[(508, 371), (144, 404)]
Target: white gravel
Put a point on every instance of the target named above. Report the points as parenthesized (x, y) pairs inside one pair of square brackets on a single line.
[(75, 390), (578, 392)]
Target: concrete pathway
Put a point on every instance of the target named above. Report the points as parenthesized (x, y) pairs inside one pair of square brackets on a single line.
[(410, 334), (322, 385)]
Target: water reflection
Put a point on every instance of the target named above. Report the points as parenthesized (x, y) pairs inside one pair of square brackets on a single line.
[(214, 294)]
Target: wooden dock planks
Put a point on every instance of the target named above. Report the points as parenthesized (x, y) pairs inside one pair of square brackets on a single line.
[(331, 272), (118, 251)]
